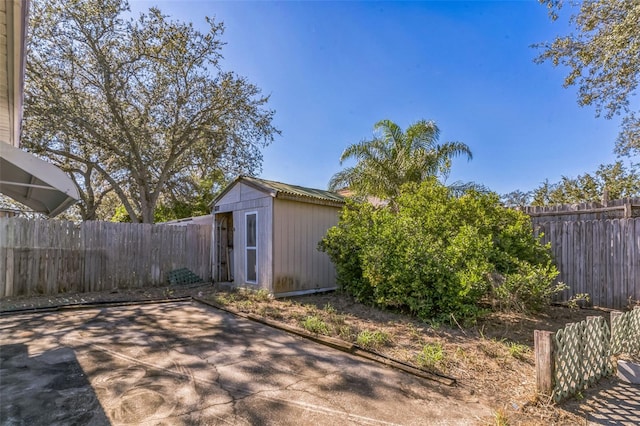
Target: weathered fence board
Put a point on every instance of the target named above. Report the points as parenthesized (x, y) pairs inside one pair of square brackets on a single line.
[(598, 257), (49, 257), (611, 209)]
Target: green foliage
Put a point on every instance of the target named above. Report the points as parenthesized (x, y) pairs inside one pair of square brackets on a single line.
[(618, 179), (528, 288), (395, 157), (602, 55), (430, 356), (315, 325), (328, 308), (373, 339), (578, 301), (138, 109), (518, 350), (193, 200), (436, 255)]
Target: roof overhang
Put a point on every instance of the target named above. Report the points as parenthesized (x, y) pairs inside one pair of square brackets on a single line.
[(35, 183), (284, 191)]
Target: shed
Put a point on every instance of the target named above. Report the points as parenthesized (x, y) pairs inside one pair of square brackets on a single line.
[(266, 236)]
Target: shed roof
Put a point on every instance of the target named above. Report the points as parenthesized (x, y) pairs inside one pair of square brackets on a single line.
[(287, 191)]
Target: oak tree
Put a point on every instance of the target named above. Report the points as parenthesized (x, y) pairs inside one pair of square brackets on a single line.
[(603, 60), (139, 106)]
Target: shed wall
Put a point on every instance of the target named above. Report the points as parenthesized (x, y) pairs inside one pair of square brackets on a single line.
[(239, 200), (298, 266), (241, 192)]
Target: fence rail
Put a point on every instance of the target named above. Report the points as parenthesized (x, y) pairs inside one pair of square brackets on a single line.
[(613, 209), (600, 258), (50, 256)]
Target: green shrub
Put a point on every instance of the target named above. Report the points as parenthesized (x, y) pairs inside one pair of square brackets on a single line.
[(439, 256)]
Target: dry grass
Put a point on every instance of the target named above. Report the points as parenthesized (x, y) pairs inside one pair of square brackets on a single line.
[(493, 360)]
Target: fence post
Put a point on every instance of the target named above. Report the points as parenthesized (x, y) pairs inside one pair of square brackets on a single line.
[(543, 342)]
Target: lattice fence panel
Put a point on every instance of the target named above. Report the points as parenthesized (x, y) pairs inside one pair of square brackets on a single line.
[(581, 356), (596, 362), (625, 333)]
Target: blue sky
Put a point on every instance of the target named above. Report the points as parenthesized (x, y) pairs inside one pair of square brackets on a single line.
[(333, 69)]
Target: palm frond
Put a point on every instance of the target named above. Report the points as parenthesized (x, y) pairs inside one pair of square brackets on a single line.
[(393, 157)]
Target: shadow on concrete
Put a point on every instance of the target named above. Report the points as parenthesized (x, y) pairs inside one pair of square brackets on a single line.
[(179, 363), (612, 402), (46, 389)]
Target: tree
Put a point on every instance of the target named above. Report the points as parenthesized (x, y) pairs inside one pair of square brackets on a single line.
[(603, 58), (137, 107), (393, 158), (619, 180), (516, 198)]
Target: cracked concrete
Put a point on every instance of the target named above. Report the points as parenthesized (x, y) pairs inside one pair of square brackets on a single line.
[(178, 363)]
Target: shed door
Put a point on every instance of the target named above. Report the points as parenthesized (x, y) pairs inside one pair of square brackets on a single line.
[(251, 258)]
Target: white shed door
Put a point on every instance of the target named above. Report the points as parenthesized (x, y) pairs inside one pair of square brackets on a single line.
[(251, 247)]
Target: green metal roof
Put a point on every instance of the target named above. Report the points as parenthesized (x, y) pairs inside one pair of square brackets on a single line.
[(287, 191), (277, 189)]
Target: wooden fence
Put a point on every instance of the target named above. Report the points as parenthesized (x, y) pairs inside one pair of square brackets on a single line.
[(50, 256), (609, 209), (600, 258)]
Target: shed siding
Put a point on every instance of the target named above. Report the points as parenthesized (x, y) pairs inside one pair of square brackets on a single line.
[(297, 263), (241, 199), (240, 192), (264, 246)]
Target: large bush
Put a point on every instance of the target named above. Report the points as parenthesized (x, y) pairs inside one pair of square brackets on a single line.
[(437, 255)]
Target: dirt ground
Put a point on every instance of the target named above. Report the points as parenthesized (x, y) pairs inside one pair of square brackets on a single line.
[(491, 360)]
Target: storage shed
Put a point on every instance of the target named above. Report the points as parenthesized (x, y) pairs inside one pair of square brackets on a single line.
[(266, 235)]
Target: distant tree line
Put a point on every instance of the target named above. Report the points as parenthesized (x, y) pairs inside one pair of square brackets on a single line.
[(620, 181)]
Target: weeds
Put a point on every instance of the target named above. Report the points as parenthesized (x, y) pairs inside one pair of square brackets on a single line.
[(501, 418), (271, 312), (373, 339), (328, 308), (261, 295), (245, 305), (346, 333), (224, 299), (518, 350), (315, 325), (430, 356)]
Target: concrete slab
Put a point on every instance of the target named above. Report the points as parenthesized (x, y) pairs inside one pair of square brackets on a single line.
[(629, 371), (178, 363)]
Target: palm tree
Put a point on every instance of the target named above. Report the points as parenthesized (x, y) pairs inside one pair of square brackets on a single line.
[(393, 158)]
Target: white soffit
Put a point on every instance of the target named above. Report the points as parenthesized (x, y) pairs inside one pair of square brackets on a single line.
[(34, 182)]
